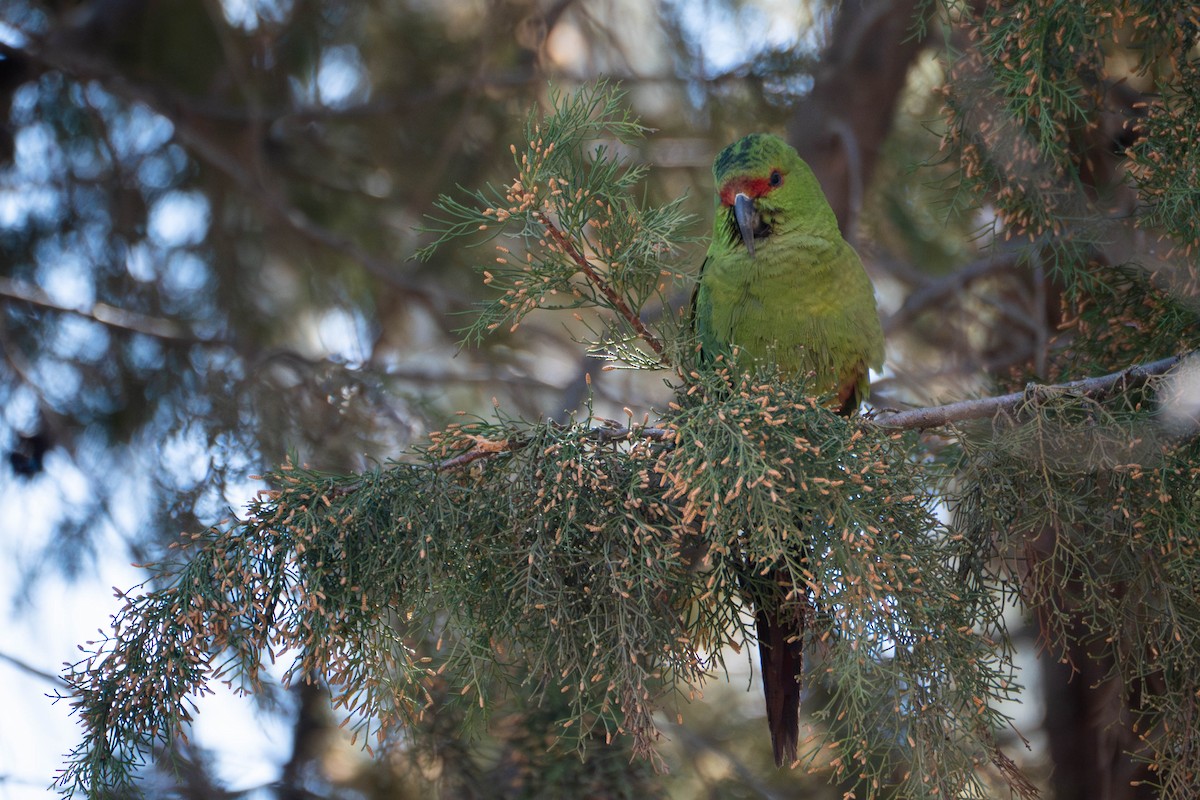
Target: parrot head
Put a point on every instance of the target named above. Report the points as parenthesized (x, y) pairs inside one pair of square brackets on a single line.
[(764, 188)]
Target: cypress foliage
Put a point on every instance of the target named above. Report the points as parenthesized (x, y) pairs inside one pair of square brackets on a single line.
[(601, 565)]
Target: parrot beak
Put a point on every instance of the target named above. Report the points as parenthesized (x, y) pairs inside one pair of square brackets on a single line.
[(746, 215)]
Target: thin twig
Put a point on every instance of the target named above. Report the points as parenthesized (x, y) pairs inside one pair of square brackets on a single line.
[(103, 313), (478, 452), (568, 247), (607, 432), (32, 670), (933, 292), (964, 410)]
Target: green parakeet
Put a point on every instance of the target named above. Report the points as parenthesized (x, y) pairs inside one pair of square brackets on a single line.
[(781, 283)]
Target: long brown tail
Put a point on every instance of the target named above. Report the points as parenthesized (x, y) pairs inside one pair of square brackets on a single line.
[(781, 653)]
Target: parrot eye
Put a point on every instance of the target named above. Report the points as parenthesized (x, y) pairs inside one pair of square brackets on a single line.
[(776, 177)]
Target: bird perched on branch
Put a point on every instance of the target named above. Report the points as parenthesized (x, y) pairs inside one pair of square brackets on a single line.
[(780, 283)]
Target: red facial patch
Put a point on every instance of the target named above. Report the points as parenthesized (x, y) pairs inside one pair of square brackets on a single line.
[(744, 184)]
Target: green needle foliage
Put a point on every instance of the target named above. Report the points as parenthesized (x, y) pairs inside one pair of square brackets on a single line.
[(1166, 163), (911, 660), (1087, 508), (599, 565), (1029, 116), (1104, 540), (573, 235), (600, 570)]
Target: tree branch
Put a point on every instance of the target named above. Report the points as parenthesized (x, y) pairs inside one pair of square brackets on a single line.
[(31, 670), (618, 303), (1095, 388), (932, 292), (105, 314), (912, 419), (608, 431)]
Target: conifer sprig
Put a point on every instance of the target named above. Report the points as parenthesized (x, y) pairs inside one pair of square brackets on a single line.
[(1027, 106), (1101, 546), (572, 233)]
